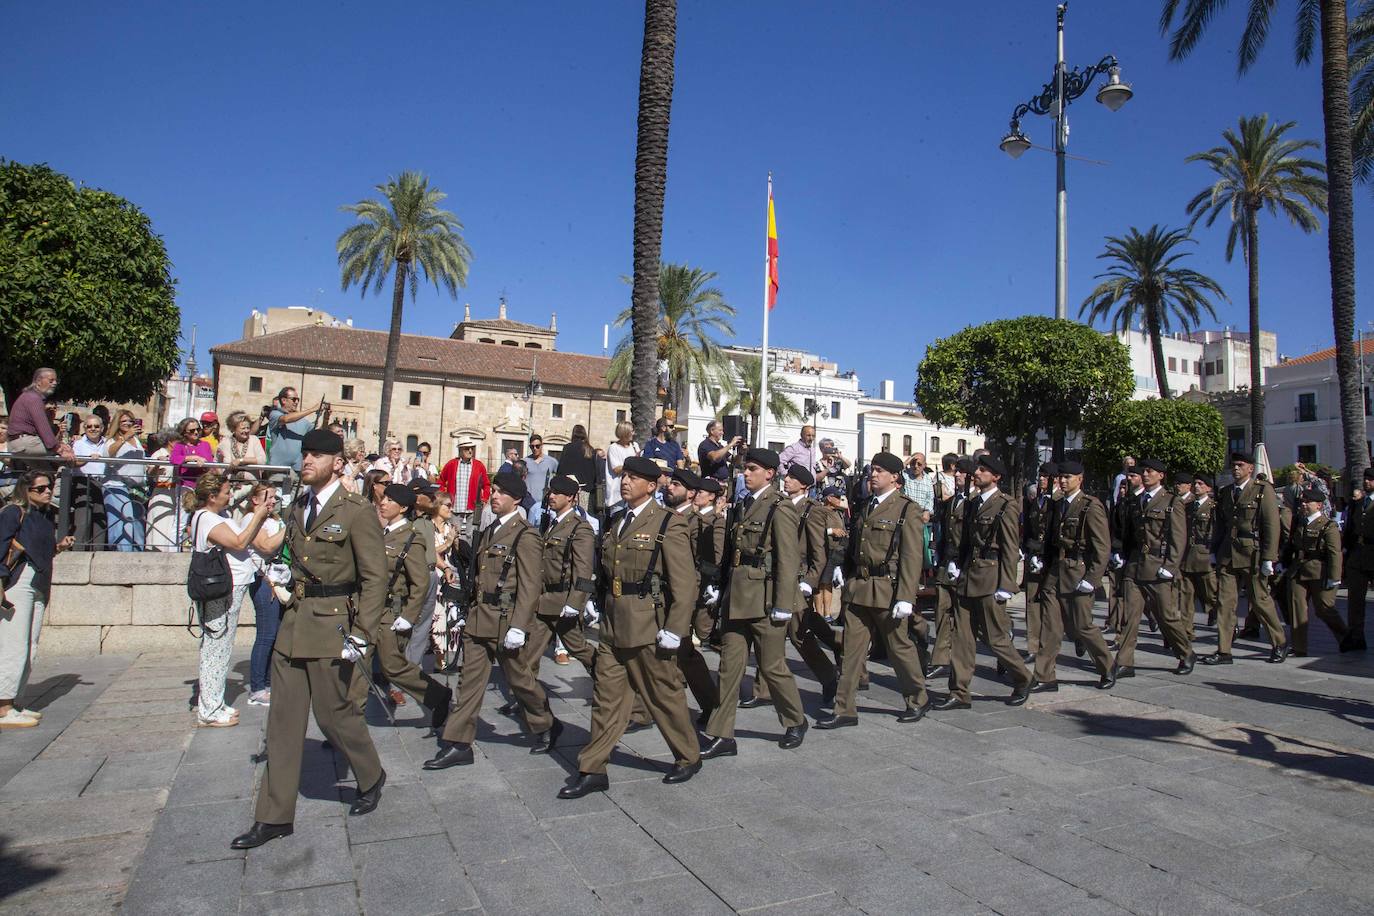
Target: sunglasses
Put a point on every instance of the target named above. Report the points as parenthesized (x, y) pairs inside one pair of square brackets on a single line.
[(94, 426), (44, 488), (193, 429)]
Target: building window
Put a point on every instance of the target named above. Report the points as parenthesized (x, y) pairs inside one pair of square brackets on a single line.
[(1173, 364), (490, 340), (1307, 454), (834, 410), (906, 445), (1235, 439), (887, 442), (345, 392), (412, 443), (556, 411), (1221, 367), (1307, 407), (531, 345), (255, 384), (510, 343), (415, 399), (469, 402), (935, 445), (775, 446), (508, 444), (963, 446), (620, 416)]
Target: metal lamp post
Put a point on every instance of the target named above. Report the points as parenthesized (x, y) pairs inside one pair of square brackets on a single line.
[(1054, 98), (533, 390)]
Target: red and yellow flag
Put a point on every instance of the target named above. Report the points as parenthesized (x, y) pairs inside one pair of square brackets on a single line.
[(772, 290)]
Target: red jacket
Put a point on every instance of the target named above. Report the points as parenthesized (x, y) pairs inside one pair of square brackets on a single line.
[(479, 485)]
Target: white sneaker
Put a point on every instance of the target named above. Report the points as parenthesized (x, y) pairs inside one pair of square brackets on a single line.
[(16, 719), (260, 698), (31, 713), (219, 721)]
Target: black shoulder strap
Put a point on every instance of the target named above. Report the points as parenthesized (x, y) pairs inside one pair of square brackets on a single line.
[(896, 541), (987, 545), (652, 569), (509, 561), (400, 562)]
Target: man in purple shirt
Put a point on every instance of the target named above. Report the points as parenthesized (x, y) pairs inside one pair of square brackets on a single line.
[(31, 433), (799, 452)]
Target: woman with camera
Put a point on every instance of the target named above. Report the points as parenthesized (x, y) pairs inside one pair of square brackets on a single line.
[(123, 489)]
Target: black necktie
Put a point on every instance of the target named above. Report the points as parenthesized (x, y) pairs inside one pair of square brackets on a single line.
[(1144, 500), (629, 517), (872, 504), (311, 513), (748, 501)]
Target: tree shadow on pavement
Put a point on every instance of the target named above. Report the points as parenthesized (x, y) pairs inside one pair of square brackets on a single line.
[(17, 874)]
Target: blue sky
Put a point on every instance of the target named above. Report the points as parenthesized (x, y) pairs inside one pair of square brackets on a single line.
[(241, 128)]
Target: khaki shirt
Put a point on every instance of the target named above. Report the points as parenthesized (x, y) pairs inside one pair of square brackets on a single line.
[(1156, 535), (569, 565), (1249, 525), (709, 551), (1316, 551), (406, 595), (763, 569), (630, 619), (988, 546), (1082, 544), (512, 548), (1358, 537), (1202, 534), (869, 584), (812, 519), (952, 530)]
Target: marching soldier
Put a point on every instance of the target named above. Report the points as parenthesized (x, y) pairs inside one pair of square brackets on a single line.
[(569, 552), (763, 598), (1183, 594), (681, 496), (1156, 534), (1247, 546), (985, 575), (1198, 566), (648, 586), (1357, 541), (1314, 566), (340, 584), (1079, 546), (947, 552), (1036, 509), (506, 582), (407, 581), (886, 544), (1119, 518)]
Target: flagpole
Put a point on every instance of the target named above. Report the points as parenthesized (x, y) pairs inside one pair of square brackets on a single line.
[(760, 439)]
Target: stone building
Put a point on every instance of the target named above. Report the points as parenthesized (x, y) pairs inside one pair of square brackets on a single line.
[(493, 380)]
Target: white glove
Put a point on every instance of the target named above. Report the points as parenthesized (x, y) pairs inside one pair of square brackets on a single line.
[(354, 649), (462, 621), (838, 578), (711, 595), (400, 625), (1115, 562), (593, 615), (953, 569), (805, 589), (669, 641), (778, 614), (515, 638), (1165, 574), (1001, 596), (568, 611), (1085, 587), (1267, 568), (902, 610), (1330, 584), (1036, 564)]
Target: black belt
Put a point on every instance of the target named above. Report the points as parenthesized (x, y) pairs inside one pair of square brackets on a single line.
[(582, 585), (491, 597), (876, 569), (752, 559), (311, 590), (636, 590)]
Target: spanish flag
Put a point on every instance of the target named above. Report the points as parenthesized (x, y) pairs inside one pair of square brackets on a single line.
[(772, 289)]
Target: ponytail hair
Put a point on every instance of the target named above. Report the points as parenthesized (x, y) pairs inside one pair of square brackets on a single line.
[(207, 486)]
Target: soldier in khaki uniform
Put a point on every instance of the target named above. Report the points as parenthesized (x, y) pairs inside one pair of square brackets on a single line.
[(1247, 546), (507, 584), (1036, 512), (1357, 543), (569, 551), (648, 588), (1314, 568), (340, 581), (886, 544), (407, 581), (710, 557), (947, 552), (763, 598), (1199, 569), (1078, 545), (1155, 536), (680, 496), (986, 576), (1183, 593)]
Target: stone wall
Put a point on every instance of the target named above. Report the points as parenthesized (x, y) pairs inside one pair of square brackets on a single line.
[(123, 604)]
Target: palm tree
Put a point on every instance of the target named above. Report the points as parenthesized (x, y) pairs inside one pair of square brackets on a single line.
[(690, 315), (407, 230), (651, 180), (1144, 287), (1257, 169), (1327, 18), (1362, 90), (745, 399)]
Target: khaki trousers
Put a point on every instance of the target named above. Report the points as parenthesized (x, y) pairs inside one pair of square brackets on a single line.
[(1229, 580), (1161, 596), (401, 672), (298, 687), (480, 655), (568, 629), (860, 625), (801, 633), (1323, 601), (991, 615), (1076, 609), (1202, 588), (944, 624), (653, 675), (769, 640), (1035, 604), (694, 669)]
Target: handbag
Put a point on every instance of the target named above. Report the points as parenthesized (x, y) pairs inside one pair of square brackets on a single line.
[(208, 577)]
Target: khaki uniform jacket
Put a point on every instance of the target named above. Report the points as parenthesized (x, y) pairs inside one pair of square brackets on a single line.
[(1249, 530), (1156, 535), (514, 545), (709, 549), (569, 565), (406, 594), (1202, 521), (630, 620), (425, 528), (1358, 536), (1080, 544), (763, 570), (1316, 551), (1037, 513), (343, 547), (988, 546), (811, 540), (951, 532), (868, 584)]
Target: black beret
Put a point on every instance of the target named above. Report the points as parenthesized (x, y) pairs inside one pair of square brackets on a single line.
[(322, 441), (888, 462), (800, 474), (421, 485), (400, 493), (837, 492), (763, 457), (1241, 456), (511, 484), (1313, 495), (1049, 469), (639, 466), (710, 485), (965, 464), (688, 478), (1153, 464), (564, 485), (1369, 473), (1183, 477), (1204, 478), (992, 464), (1070, 467)]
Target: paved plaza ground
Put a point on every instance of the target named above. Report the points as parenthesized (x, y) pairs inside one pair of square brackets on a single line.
[(1235, 790)]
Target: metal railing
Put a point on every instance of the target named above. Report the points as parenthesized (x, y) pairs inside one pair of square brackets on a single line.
[(79, 504)]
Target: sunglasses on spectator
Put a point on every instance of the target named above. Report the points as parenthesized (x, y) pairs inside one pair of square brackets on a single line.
[(41, 488)]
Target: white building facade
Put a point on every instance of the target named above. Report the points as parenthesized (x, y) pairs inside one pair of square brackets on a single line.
[(1302, 408), (890, 425), (1208, 361)]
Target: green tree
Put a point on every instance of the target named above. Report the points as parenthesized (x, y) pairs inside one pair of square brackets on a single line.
[(403, 235), (1325, 19), (690, 316), (1362, 91), (1185, 435), (1011, 378), (651, 182), (85, 287), (745, 398), (1144, 287), (1257, 169)]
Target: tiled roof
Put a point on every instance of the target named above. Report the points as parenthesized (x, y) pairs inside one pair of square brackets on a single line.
[(1328, 353), (505, 324), (354, 348)]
